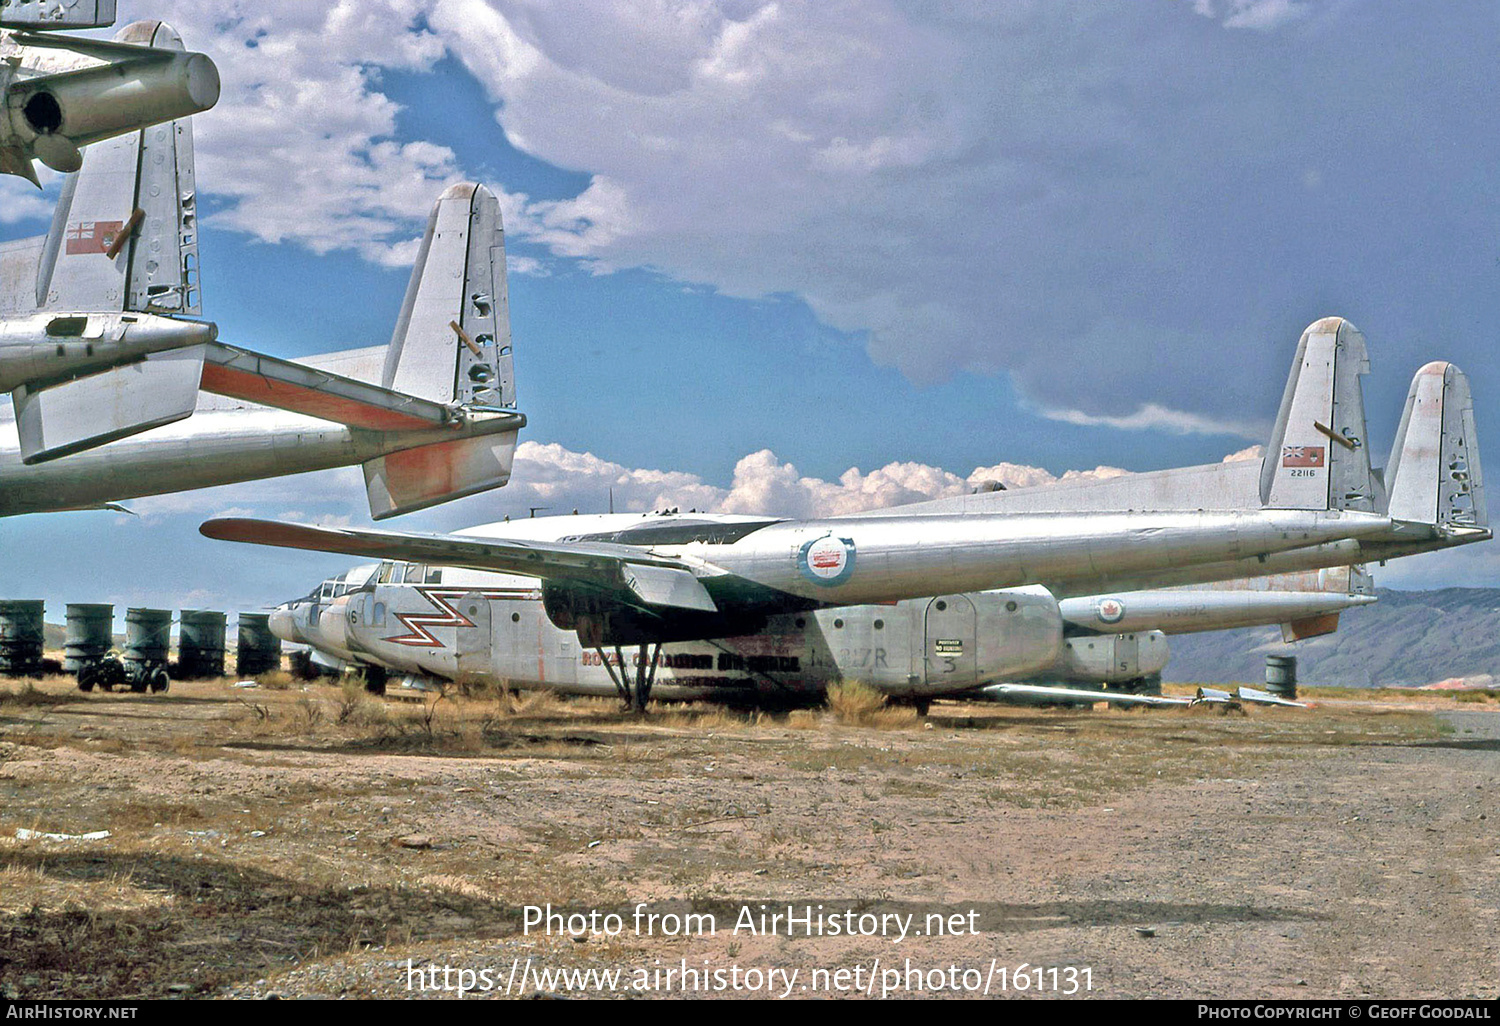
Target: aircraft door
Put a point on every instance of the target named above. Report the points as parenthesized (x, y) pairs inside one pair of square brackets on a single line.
[(472, 646), (952, 641)]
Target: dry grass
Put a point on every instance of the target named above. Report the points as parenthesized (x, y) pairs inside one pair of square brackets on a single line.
[(261, 839), (26, 694), (859, 705), (276, 680)]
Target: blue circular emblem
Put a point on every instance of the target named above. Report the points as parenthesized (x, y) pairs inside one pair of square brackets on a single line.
[(827, 561)]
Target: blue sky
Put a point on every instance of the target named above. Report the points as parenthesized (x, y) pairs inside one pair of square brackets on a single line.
[(931, 235)]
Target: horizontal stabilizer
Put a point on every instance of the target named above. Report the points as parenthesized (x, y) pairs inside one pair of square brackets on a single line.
[(1434, 475), (413, 479), (298, 388), (122, 401)]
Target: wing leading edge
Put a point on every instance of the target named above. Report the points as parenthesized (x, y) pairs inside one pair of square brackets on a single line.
[(635, 574)]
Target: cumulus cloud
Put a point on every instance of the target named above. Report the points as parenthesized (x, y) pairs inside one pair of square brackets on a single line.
[(552, 478), (1076, 195), (762, 484), (302, 144)]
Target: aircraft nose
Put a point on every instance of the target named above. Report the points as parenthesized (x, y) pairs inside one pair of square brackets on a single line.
[(283, 624)]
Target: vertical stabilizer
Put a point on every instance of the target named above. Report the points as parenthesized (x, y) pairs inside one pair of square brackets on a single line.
[(1434, 475), (1317, 457), (452, 345), (124, 236), (452, 339)]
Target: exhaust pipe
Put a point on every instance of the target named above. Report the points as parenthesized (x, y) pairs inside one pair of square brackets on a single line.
[(59, 114)]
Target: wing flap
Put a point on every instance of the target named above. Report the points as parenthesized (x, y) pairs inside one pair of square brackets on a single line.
[(664, 586)]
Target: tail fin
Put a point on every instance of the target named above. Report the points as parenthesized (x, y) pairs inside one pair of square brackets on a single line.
[(125, 233), (451, 345), (452, 339), (1434, 475), (124, 240), (1317, 457)]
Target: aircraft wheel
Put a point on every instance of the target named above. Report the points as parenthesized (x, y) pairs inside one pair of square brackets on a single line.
[(923, 706), (375, 679)]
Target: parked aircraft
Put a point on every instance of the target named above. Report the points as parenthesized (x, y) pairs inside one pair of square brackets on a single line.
[(62, 93), (651, 581), (443, 624), (99, 353)]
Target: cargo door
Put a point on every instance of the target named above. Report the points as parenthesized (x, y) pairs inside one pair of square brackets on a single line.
[(472, 646), (952, 642)]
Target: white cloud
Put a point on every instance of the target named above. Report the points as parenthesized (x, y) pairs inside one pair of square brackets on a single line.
[(1153, 417), (22, 201), (1261, 15), (303, 141), (1004, 188)]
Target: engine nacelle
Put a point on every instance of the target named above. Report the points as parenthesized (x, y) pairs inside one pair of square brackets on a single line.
[(1110, 658), (59, 107), (955, 642)]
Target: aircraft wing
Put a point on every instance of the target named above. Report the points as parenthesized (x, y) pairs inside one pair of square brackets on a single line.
[(1205, 696), (634, 574), (1000, 692)]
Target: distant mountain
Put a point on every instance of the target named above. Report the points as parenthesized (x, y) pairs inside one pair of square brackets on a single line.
[(1408, 637)]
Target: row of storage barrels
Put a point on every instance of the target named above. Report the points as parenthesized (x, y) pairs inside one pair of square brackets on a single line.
[(148, 637)]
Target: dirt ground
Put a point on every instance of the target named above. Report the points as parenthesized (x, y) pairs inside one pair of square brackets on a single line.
[(315, 842)]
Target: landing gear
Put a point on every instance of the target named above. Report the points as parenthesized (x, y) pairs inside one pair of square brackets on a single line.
[(634, 693), (923, 705), (375, 679)]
